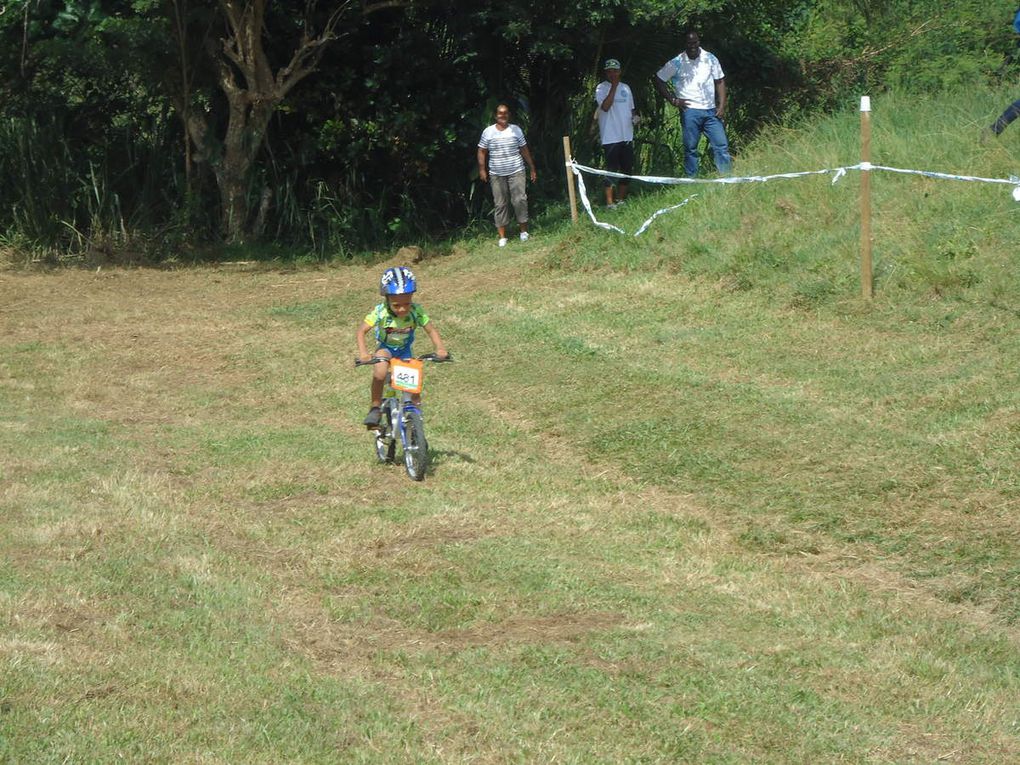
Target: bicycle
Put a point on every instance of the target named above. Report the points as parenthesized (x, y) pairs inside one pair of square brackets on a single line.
[(401, 418)]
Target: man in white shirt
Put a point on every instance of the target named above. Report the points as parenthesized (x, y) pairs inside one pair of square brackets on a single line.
[(617, 116), (699, 92)]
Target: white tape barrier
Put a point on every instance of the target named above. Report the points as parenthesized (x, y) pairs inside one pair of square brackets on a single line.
[(1011, 181), (837, 173), (587, 203)]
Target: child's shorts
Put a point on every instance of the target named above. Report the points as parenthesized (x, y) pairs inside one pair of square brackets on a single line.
[(398, 353)]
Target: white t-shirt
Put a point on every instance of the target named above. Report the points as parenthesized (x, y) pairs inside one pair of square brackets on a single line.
[(615, 125), (693, 81), (504, 147)]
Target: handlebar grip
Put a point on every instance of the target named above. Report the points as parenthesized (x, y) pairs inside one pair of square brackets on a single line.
[(375, 360)]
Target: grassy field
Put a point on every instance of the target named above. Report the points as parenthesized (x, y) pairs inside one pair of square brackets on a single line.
[(692, 500)]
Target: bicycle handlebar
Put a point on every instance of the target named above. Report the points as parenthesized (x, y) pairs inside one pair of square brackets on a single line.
[(426, 357)]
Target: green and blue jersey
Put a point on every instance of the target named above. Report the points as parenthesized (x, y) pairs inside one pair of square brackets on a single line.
[(396, 333)]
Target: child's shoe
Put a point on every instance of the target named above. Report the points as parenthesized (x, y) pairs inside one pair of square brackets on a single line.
[(372, 419), (502, 242), (524, 236)]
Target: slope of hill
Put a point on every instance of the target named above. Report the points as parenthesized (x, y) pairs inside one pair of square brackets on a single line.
[(693, 500)]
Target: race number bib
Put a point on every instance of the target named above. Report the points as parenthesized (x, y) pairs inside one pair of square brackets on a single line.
[(407, 375)]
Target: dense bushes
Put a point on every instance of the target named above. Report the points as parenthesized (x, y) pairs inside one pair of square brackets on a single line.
[(377, 147)]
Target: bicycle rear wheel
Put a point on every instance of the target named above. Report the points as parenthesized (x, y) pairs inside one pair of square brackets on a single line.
[(385, 437), (416, 448)]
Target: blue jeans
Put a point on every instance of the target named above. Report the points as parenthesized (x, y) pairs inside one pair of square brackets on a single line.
[(1011, 113), (698, 121)]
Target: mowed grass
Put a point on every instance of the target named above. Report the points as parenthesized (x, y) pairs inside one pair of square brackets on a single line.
[(678, 513)]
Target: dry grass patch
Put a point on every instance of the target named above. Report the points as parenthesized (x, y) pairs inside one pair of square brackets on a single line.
[(198, 514)]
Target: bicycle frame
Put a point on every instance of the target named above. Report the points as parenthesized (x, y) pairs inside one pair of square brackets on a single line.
[(399, 404), (402, 418)]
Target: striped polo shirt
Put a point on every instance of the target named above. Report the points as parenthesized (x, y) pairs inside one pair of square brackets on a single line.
[(504, 147)]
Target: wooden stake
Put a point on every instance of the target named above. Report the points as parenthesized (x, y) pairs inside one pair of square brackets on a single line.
[(867, 284), (570, 179)]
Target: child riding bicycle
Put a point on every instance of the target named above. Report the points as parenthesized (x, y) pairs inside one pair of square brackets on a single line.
[(393, 322)]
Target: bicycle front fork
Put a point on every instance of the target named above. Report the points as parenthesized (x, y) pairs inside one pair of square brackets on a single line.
[(406, 409)]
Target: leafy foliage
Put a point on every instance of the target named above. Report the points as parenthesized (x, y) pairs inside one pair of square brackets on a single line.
[(376, 147), (921, 45)]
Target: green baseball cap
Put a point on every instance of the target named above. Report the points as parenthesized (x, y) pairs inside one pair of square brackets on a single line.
[(611, 63)]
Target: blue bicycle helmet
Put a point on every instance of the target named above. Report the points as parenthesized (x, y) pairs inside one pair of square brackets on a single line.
[(397, 281)]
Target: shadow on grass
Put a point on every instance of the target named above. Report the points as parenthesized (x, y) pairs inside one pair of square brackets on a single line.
[(438, 456)]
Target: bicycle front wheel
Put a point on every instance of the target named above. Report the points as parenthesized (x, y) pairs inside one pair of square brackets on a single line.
[(385, 437), (416, 448)]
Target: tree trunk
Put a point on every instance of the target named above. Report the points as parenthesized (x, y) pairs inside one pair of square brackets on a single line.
[(233, 204), (253, 93), (246, 131)]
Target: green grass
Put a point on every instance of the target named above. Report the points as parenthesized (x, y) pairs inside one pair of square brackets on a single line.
[(693, 499)]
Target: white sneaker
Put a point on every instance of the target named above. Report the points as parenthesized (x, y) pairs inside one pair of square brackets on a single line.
[(502, 242), (621, 203), (611, 206), (524, 236)]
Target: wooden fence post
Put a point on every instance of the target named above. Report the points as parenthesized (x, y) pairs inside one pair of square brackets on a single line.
[(570, 179), (867, 285)]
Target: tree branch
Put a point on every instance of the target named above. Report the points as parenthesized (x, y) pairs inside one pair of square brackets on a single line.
[(228, 84), (308, 54), (243, 46), (24, 42), (367, 8)]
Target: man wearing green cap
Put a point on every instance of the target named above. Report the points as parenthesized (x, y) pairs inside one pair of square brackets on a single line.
[(617, 117)]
